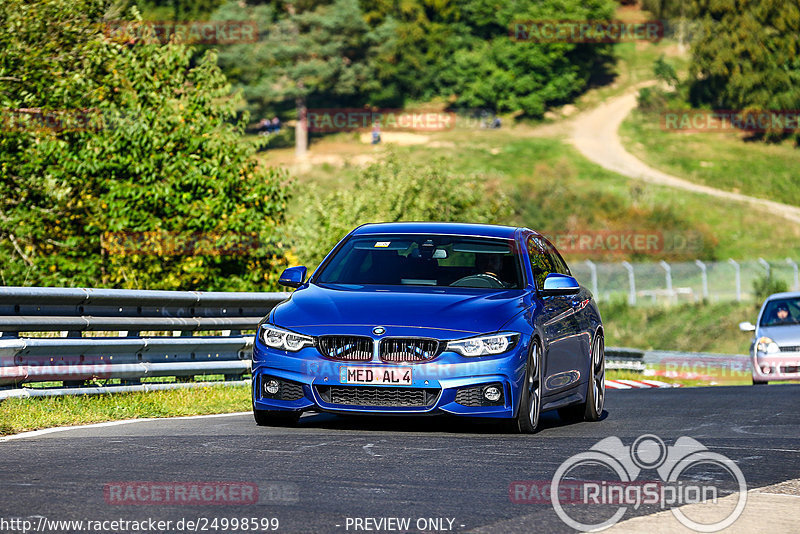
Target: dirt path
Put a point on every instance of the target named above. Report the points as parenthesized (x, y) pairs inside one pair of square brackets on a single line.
[(595, 135)]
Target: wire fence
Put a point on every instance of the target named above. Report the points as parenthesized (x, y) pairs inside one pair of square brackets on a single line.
[(676, 282)]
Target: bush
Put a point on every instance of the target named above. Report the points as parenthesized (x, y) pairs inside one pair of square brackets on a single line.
[(163, 164), (394, 190), (766, 286)]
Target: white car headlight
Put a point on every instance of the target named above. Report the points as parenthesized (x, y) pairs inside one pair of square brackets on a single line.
[(484, 345), (278, 338), (767, 346)]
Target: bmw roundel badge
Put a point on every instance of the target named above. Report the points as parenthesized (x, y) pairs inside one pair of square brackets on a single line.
[(379, 330)]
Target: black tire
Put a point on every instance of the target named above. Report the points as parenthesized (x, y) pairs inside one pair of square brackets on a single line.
[(596, 395), (760, 383), (530, 402)]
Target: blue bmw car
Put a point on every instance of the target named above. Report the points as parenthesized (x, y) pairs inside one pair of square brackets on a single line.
[(433, 318)]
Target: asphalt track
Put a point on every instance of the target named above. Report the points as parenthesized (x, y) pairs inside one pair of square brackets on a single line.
[(332, 468)]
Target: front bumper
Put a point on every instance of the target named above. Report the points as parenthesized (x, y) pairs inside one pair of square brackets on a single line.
[(450, 383), (781, 366)]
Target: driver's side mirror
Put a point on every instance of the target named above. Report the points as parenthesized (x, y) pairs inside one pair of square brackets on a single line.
[(293, 277), (559, 284), (747, 326)]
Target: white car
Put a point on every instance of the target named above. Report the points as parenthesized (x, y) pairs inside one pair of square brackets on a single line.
[(775, 348)]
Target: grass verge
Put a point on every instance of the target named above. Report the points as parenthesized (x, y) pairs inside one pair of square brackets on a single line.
[(716, 159), (700, 327), (21, 415)]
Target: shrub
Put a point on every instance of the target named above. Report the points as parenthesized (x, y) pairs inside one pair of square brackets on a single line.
[(394, 190)]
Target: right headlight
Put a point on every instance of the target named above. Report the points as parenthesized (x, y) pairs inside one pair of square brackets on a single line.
[(766, 345), (278, 338), (484, 345)]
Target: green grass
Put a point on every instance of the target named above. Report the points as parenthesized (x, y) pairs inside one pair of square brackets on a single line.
[(552, 188), (20, 415), (721, 160), (689, 327)]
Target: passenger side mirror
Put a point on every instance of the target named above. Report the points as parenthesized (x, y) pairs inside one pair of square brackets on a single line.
[(747, 326), (559, 284), (293, 277)]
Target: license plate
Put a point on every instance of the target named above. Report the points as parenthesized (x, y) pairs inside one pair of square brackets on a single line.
[(375, 375)]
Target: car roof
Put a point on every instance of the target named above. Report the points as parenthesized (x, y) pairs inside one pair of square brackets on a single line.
[(788, 294), (480, 230)]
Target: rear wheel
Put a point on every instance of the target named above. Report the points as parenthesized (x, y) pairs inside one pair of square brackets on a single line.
[(530, 402), (592, 407), (759, 382), (596, 396)]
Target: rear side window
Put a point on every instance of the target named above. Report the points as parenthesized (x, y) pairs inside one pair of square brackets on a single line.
[(541, 260), (556, 260)]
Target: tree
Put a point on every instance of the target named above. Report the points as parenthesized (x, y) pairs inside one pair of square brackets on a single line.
[(396, 190), (502, 74), (159, 158), (747, 55), (307, 53)]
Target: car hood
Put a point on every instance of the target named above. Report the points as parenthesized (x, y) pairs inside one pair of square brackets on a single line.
[(782, 335), (425, 311)]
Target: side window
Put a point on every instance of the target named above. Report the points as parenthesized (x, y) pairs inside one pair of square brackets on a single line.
[(556, 260), (541, 262)]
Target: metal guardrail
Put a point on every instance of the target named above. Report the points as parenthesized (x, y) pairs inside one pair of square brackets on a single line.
[(28, 313), (108, 364)]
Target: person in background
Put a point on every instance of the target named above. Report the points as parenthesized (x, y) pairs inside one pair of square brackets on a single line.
[(276, 125), (264, 127), (376, 133)]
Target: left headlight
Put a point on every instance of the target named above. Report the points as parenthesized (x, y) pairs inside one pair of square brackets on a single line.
[(765, 344), (278, 338), (484, 345)]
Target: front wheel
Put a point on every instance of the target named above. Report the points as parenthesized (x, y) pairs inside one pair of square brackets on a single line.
[(530, 402)]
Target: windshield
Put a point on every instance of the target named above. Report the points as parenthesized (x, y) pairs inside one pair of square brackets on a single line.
[(781, 312), (425, 260)]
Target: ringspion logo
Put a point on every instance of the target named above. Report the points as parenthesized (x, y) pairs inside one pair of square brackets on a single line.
[(678, 482)]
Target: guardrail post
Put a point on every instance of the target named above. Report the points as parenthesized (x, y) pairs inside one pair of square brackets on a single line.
[(704, 275), (765, 264), (738, 278), (796, 284), (631, 283), (593, 273), (668, 270)]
